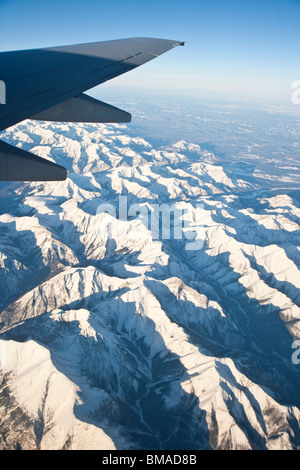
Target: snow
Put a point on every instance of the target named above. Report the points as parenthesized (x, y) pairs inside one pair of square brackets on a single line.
[(49, 397), (108, 331)]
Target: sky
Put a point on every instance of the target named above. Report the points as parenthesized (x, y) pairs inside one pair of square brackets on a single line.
[(248, 47)]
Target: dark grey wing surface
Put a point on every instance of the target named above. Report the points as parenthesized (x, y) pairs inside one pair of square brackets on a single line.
[(48, 84), (83, 108), (41, 78), (18, 165)]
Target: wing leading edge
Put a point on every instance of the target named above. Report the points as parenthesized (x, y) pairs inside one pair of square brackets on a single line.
[(48, 84)]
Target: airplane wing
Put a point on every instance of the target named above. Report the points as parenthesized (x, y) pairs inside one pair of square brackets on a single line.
[(48, 84)]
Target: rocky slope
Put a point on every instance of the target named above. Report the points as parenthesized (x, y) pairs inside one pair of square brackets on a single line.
[(113, 336)]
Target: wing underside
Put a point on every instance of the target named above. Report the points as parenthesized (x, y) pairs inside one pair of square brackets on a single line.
[(83, 108), (18, 165), (48, 84)]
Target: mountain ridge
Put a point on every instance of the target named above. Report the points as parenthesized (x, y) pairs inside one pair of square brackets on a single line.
[(157, 345)]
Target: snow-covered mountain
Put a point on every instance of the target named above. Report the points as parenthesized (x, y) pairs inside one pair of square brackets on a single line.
[(114, 338)]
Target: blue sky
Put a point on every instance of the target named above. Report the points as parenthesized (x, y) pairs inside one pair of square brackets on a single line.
[(233, 46)]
